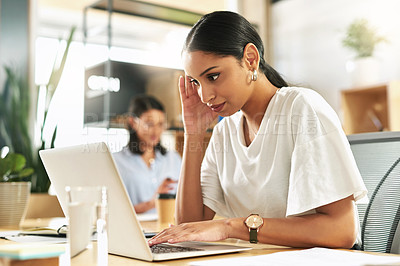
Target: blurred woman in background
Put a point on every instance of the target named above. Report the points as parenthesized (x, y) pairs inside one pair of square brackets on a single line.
[(146, 167)]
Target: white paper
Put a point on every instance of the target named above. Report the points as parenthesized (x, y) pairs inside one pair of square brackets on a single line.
[(14, 236), (145, 217), (37, 239), (309, 257), (5, 234), (57, 222)]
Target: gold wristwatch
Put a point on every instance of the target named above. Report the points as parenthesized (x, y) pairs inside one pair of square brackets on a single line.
[(254, 223)]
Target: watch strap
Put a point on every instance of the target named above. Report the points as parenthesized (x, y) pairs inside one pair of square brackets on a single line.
[(253, 236)]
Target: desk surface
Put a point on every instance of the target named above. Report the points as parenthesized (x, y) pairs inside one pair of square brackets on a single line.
[(257, 249)]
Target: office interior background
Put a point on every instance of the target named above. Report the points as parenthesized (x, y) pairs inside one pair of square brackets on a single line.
[(303, 40)]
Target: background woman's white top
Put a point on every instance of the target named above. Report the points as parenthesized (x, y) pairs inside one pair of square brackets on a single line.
[(142, 181)]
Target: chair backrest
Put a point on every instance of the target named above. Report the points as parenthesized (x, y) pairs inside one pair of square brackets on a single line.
[(378, 159)]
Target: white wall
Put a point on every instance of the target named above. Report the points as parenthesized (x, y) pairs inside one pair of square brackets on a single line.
[(255, 11), (307, 38)]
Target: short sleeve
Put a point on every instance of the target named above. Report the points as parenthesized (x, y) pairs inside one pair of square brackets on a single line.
[(212, 192), (323, 169)]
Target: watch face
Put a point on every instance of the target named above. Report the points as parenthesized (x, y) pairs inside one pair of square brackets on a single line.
[(254, 221)]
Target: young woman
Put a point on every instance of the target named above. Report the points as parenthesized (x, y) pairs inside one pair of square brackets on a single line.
[(278, 166), (146, 167)]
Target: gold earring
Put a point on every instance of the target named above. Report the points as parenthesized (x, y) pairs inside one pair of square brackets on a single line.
[(254, 75)]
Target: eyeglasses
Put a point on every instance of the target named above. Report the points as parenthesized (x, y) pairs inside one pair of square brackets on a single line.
[(151, 125)]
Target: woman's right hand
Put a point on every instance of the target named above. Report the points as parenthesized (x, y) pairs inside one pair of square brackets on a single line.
[(197, 116), (166, 186)]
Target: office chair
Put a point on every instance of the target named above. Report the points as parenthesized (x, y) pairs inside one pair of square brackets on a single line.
[(383, 213), (378, 159)]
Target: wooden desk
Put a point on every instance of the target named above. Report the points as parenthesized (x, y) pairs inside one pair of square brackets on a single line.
[(114, 260), (258, 249)]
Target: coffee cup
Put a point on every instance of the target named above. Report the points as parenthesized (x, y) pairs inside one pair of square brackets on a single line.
[(165, 205)]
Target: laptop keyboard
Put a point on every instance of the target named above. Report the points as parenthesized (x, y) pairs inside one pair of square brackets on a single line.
[(160, 248)]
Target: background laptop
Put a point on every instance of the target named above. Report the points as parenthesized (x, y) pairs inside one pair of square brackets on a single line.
[(93, 165)]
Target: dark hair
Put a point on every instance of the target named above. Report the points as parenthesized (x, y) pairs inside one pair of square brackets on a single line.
[(139, 105), (226, 34)]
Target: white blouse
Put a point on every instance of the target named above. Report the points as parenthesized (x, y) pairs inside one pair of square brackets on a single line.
[(299, 160)]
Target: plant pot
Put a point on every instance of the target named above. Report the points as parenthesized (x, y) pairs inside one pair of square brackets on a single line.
[(363, 71), (14, 198)]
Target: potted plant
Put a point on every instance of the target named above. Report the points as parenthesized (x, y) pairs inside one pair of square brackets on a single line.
[(14, 189), (362, 39), (15, 98), (15, 114)]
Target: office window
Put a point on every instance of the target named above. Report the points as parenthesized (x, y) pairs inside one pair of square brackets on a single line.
[(66, 110)]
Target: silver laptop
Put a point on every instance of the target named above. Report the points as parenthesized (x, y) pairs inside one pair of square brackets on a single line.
[(93, 165)]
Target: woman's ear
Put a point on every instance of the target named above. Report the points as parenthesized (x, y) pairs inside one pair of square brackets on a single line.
[(132, 123), (251, 56)]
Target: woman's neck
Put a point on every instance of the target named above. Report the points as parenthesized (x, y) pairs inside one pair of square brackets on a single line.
[(256, 106), (148, 156)]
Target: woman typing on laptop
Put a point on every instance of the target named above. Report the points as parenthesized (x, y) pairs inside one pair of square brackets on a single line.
[(278, 166), (146, 167)]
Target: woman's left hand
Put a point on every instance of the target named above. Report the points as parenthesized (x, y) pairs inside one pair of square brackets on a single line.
[(213, 230)]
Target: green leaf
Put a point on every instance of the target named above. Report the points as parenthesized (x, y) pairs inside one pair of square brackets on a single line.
[(18, 162), (57, 71), (26, 172), (361, 38), (12, 168), (53, 139), (15, 112), (5, 167), (15, 101)]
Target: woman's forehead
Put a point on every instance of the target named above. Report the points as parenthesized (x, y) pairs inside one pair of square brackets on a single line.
[(196, 62)]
